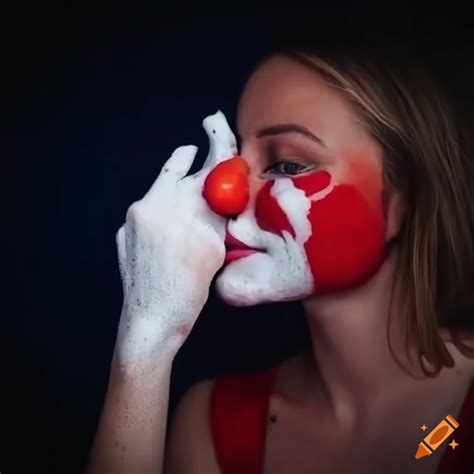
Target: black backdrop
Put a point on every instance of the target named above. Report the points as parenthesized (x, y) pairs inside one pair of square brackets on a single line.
[(94, 103)]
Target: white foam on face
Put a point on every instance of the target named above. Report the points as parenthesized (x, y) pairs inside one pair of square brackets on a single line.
[(282, 273), (294, 203)]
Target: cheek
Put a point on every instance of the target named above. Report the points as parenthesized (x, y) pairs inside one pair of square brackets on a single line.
[(347, 242)]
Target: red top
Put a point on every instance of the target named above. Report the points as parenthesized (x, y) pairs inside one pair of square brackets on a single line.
[(238, 421)]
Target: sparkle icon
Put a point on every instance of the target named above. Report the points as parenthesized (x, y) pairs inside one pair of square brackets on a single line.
[(453, 444), (424, 427)]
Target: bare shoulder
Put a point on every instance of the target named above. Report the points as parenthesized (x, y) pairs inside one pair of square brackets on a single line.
[(189, 446)]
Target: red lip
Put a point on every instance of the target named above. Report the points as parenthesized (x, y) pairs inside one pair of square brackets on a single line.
[(231, 241), (236, 249)]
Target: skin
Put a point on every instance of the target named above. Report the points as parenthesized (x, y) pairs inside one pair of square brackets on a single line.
[(349, 369)]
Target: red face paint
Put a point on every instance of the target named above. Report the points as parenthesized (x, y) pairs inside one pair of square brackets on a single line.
[(270, 216), (347, 244), (313, 183)]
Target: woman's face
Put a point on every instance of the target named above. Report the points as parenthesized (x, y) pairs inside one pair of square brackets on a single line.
[(316, 212)]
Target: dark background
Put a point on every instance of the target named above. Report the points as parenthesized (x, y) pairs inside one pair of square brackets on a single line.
[(93, 104)]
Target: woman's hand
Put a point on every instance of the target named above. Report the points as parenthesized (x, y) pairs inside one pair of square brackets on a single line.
[(169, 249)]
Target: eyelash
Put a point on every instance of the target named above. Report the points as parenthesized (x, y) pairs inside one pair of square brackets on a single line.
[(277, 161), (278, 166)]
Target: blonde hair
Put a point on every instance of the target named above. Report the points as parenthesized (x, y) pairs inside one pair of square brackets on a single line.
[(428, 157)]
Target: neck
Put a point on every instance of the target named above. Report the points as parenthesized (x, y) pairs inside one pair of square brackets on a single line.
[(349, 355)]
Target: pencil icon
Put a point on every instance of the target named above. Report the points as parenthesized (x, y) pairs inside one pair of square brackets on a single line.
[(436, 437)]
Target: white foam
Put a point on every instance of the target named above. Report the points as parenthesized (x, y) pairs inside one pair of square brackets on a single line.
[(295, 205), (169, 249)]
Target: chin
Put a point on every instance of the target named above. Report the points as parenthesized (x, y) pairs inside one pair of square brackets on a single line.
[(261, 278)]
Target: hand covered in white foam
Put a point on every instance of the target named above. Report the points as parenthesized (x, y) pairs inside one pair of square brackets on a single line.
[(169, 249)]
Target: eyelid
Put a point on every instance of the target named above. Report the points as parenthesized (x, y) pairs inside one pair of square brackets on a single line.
[(276, 156)]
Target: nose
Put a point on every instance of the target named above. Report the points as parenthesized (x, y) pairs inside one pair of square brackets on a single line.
[(226, 188)]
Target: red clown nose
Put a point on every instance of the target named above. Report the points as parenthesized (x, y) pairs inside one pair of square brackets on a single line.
[(226, 188)]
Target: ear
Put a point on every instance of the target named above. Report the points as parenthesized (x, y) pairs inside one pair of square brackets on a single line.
[(395, 212)]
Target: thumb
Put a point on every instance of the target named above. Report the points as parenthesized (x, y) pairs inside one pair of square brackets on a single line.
[(222, 142)]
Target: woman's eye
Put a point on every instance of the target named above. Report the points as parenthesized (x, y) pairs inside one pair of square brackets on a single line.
[(286, 167)]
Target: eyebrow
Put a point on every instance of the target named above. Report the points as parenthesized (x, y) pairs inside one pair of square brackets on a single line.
[(289, 128)]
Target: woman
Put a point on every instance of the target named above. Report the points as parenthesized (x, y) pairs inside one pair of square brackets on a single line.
[(360, 208)]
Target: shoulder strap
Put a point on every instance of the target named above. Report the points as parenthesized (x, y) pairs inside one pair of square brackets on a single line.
[(238, 415)]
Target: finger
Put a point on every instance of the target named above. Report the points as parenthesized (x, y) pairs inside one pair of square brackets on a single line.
[(120, 240), (222, 142), (175, 168)]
